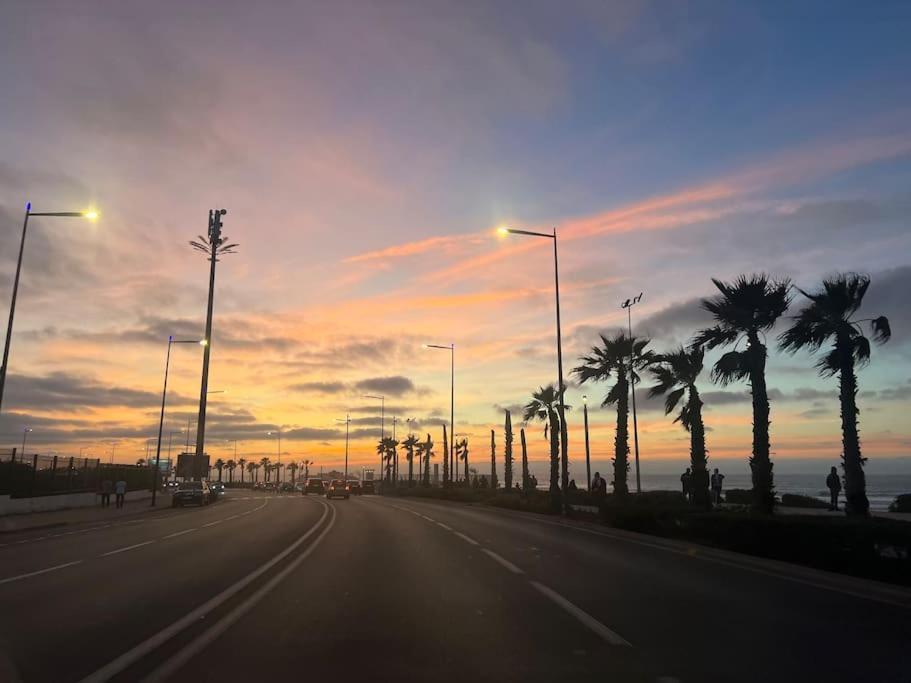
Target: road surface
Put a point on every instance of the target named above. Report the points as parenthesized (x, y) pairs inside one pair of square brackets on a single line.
[(260, 588)]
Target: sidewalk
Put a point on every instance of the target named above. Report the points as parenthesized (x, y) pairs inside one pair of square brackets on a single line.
[(81, 515)]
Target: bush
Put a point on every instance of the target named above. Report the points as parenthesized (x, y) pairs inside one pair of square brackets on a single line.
[(795, 500), (649, 512), (738, 496), (901, 503)]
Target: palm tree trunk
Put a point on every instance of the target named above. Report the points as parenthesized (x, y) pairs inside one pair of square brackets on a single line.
[(556, 502), (621, 440), (761, 462), (525, 477), (856, 503), (698, 460), (493, 461), (410, 467)]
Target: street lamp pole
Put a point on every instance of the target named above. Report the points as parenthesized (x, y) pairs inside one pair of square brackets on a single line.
[(453, 476), (628, 305), (164, 396), (588, 462), (25, 432), (347, 422), (91, 215), (561, 387)]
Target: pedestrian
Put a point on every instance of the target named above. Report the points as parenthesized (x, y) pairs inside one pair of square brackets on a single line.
[(833, 481), (107, 486), (120, 488), (599, 487), (534, 483), (686, 480), (717, 482), (572, 484)]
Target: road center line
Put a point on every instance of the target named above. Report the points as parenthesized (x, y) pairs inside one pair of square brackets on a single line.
[(129, 547), (139, 651), (217, 521), (429, 519), (582, 616), (502, 560), (40, 571), (467, 539), (178, 533), (443, 526)]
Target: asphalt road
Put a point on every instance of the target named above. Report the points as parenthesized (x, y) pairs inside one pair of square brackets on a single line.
[(258, 588)]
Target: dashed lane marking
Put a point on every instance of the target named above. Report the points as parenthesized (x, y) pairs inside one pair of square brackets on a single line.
[(502, 561), (129, 547), (178, 533), (40, 571), (582, 616)]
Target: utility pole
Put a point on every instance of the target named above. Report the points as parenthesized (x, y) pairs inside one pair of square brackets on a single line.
[(628, 305)]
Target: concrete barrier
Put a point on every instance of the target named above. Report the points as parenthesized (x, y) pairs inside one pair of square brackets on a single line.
[(22, 506)]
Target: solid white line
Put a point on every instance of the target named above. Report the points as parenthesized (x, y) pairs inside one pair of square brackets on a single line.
[(123, 550), (178, 533), (443, 526), (502, 560), (217, 521), (132, 655), (40, 571), (582, 616), (467, 539), (170, 667)]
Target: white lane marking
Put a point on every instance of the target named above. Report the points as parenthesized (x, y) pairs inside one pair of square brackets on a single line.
[(40, 571), (129, 547), (416, 514), (232, 517), (502, 560), (178, 533), (582, 616), (443, 526), (139, 651), (467, 539), (170, 667), (217, 521), (429, 519)]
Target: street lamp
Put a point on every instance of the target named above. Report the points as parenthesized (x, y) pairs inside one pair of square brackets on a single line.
[(25, 431), (91, 215), (628, 305), (560, 407), (278, 431), (347, 422), (588, 462), (164, 395), (382, 400), (453, 476)]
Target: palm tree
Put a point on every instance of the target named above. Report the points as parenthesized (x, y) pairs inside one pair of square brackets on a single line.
[(544, 407), (251, 468), (264, 463), (612, 361), (409, 445), (462, 453), (293, 467), (385, 447), (746, 309), (242, 463), (676, 373), (219, 465), (507, 453), (493, 460), (426, 452), (526, 480), (230, 465), (829, 317)]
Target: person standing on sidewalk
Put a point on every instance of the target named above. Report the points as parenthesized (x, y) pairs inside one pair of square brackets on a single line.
[(121, 491), (717, 482), (833, 481), (107, 486)]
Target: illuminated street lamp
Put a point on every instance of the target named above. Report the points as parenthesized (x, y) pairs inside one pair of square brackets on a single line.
[(25, 432), (90, 214), (561, 388), (164, 395), (453, 475)]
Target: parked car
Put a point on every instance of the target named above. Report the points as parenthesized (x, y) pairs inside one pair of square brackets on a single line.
[(216, 490), (315, 486), (196, 492), (337, 489), (354, 488), (170, 486), (368, 487)]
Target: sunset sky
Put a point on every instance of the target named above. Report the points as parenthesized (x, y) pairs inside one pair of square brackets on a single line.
[(366, 151)]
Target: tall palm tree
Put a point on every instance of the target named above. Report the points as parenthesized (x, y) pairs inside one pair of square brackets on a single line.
[(829, 317), (544, 408), (611, 361), (264, 463), (676, 373), (425, 450), (242, 463), (251, 468), (745, 310), (507, 452), (493, 460), (526, 480), (409, 445), (219, 466), (463, 455), (386, 447), (230, 465), (293, 467)]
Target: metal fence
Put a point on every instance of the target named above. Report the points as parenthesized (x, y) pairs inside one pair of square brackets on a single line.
[(28, 475)]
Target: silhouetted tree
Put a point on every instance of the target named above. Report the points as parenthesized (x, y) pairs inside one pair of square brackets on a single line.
[(409, 445), (230, 465), (219, 466), (612, 361), (463, 454), (493, 460), (264, 463), (507, 453), (251, 468), (242, 463), (426, 451), (445, 458), (829, 318), (676, 373), (293, 467), (544, 408), (746, 309), (525, 478)]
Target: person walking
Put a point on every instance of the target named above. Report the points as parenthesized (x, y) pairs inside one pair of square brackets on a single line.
[(107, 486), (716, 482), (599, 487), (686, 480), (833, 482), (120, 488)]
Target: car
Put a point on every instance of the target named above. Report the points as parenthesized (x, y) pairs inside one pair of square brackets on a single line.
[(368, 487), (196, 492), (287, 486), (337, 489), (354, 488), (170, 486), (216, 490), (315, 486)]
